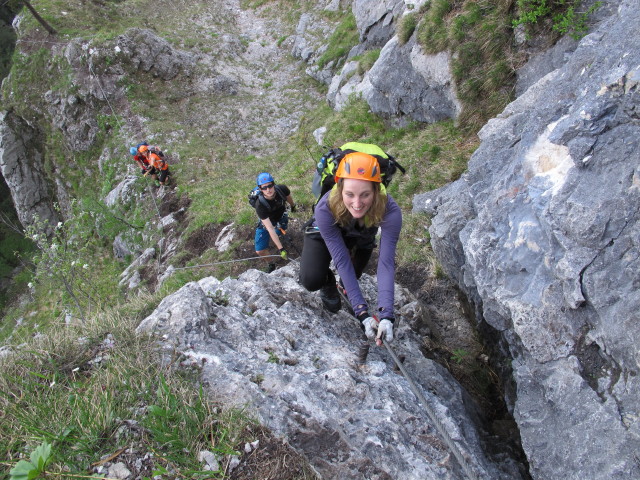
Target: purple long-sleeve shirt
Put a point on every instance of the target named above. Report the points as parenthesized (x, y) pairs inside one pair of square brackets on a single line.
[(332, 236)]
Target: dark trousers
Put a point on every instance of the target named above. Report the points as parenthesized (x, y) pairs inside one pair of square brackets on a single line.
[(315, 259)]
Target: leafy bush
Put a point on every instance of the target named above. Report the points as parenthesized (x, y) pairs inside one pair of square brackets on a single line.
[(564, 17), (574, 23)]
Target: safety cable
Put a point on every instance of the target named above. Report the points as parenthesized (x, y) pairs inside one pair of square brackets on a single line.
[(104, 94), (225, 261), (153, 197), (443, 432)]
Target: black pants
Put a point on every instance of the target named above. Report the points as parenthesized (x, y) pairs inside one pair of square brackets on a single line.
[(163, 175), (315, 259)]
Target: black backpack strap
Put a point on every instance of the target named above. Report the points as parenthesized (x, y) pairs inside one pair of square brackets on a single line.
[(393, 160)]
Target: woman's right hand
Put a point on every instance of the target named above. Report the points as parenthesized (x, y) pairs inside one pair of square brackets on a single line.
[(370, 327)]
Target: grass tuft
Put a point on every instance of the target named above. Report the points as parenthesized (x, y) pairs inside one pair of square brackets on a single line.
[(344, 37)]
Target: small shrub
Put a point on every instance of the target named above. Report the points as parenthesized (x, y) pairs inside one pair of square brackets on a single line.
[(459, 354), (562, 13), (574, 23)]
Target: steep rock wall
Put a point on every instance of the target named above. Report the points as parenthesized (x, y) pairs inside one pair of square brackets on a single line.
[(21, 164), (542, 234)]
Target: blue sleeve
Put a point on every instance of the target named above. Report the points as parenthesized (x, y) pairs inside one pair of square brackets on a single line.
[(390, 227), (332, 237)]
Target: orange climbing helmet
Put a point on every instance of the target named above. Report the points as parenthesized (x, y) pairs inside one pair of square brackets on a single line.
[(360, 166), (143, 148)]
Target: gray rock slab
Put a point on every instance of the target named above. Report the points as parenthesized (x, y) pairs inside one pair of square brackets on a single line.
[(265, 344)]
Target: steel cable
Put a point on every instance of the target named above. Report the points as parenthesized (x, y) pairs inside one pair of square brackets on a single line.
[(432, 416)]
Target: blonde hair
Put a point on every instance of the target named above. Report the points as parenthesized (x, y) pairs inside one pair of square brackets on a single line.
[(341, 213)]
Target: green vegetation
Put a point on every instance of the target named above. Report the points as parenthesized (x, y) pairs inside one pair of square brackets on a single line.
[(343, 38), (565, 19), (479, 37), (459, 355), (366, 60), (406, 27), (86, 398), (35, 466)]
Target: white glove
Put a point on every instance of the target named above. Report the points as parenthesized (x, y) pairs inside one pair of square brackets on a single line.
[(385, 330), (370, 326)]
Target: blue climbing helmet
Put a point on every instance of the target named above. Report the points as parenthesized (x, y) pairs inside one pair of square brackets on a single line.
[(133, 150), (263, 178)]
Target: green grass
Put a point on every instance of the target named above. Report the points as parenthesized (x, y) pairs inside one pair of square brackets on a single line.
[(366, 60), (53, 389), (406, 26), (344, 37), (479, 37)]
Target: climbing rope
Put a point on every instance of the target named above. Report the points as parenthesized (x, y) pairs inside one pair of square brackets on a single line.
[(443, 432)]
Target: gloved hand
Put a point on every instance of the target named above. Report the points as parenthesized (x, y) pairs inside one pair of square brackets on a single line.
[(385, 330), (293, 208), (283, 254), (370, 325)]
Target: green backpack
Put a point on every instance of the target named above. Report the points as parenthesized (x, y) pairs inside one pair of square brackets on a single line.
[(324, 176)]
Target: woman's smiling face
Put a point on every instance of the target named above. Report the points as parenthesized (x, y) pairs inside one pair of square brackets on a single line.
[(357, 196)]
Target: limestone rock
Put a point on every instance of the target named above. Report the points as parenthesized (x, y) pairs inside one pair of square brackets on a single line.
[(542, 234), (405, 82), (21, 163), (146, 51), (265, 343)]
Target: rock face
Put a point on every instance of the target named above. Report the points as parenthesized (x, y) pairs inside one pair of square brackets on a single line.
[(404, 82), (21, 163), (542, 233), (265, 343), (144, 50)]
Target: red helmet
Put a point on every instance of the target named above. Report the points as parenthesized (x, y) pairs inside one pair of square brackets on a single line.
[(360, 166)]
